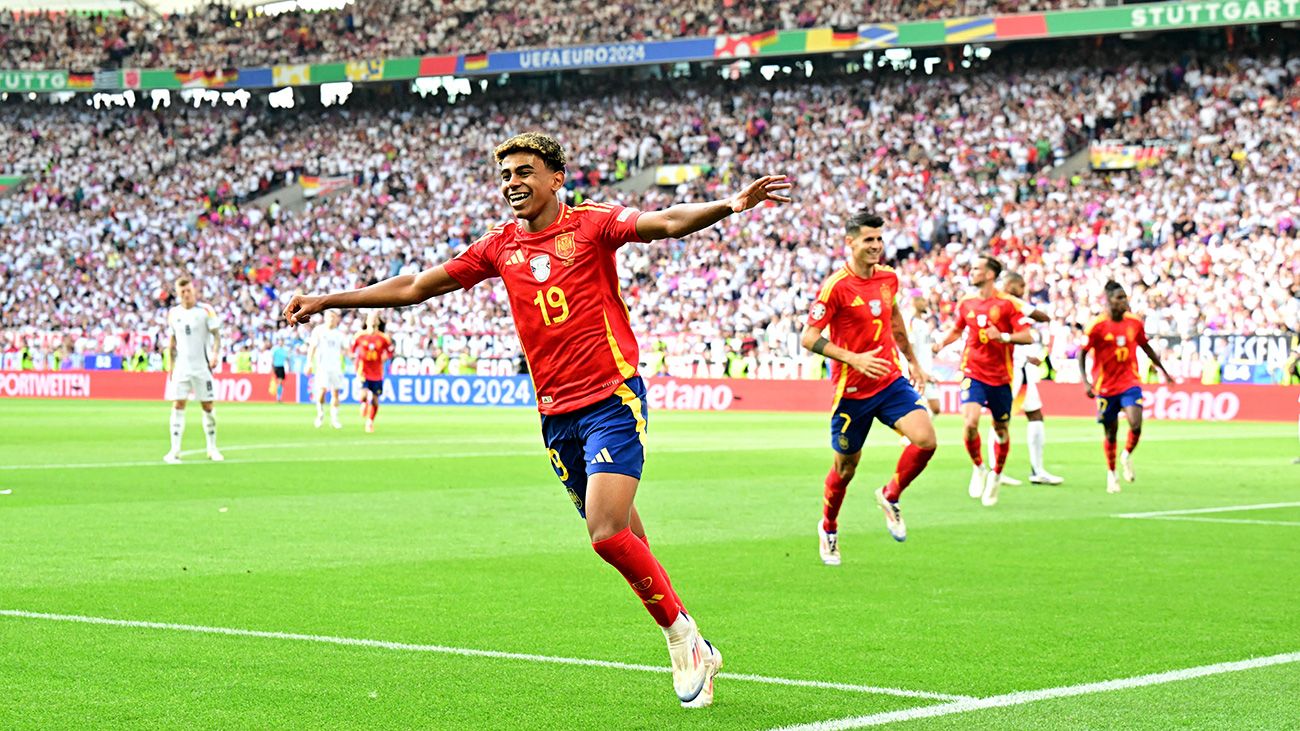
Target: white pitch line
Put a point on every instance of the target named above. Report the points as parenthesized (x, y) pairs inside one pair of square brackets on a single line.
[(1201, 511), (1031, 696), (1232, 521), (467, 652)]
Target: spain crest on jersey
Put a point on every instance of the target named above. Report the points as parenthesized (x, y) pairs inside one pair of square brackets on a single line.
[(875, 308), (565, 246), (993, 313), (541, 266)]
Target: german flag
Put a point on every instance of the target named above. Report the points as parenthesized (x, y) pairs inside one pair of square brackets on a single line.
[(81, 81), (475, 62), (222, 77), (830, 39)]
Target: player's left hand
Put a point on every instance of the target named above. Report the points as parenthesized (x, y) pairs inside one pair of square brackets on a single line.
[(763, 189), (212, 363), (301, 307)]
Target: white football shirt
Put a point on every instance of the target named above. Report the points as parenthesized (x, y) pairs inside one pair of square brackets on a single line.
[(193, 329), (330, 344)]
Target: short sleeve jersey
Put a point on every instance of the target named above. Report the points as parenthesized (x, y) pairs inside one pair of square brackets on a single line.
[(330, 343), (985, 359), (857, 313), (371, 350), (193, 329), (564, 296), (1114, 353)]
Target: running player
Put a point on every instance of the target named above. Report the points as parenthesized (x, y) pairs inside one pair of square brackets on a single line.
[(372, 349), (1115, 384), (1025, 369), (858, 307), (558, 266), (325, 363), (994, 324), (193, 349)]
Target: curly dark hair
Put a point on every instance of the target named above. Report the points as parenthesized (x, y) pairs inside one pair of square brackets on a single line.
[(537, 143)]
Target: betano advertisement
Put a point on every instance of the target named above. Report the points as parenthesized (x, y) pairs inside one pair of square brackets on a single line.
[(1185, 402)]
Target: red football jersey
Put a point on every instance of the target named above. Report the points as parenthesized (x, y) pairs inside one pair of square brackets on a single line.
[(1114, 353), (565, 300), (984, 359), (371, 350), (858, 314)]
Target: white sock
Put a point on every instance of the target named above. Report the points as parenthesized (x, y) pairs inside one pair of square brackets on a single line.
[(178, 428), (210, 429), (320, 409), (1037, 437), (334, 411)]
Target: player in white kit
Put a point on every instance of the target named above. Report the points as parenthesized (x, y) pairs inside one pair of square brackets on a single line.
[(920, 330), (1026, 360), (325, 363), (193, 347)]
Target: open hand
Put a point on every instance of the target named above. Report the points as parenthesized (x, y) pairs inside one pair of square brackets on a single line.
[(764, 189), (868, 364)]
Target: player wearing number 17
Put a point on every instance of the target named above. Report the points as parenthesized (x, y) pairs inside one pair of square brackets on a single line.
[(558, 266), (857, 307), (1114, 339)]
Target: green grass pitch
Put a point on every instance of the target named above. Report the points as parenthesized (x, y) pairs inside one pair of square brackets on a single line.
[(447, 527)]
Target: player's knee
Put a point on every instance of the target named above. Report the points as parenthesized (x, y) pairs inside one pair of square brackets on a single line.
[(1034, 415), (845, 470), (926, 442)]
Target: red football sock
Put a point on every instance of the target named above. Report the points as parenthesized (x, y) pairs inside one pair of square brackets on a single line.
[(374, 408), (646, 541), (1000, 452), (1109, 448), (633, 559), (973, 449), (1133, 437), (836, 486), (913, 460)]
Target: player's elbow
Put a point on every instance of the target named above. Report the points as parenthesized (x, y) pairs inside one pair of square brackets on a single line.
[(809, 338)]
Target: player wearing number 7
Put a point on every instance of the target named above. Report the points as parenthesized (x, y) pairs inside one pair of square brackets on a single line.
[(857, 307), (1114, 339), (558, 266)]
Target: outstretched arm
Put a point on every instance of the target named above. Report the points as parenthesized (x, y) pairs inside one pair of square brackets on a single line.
[(408, 289), (687, 218)]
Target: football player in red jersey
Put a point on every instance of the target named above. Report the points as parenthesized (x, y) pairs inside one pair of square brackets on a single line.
[(372, 349), (558, 266), (858, 307), (994, 325), (1113, 338)]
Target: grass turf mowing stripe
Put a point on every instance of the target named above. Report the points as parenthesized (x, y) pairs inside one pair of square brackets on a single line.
[(469, 652), (1030, 696)]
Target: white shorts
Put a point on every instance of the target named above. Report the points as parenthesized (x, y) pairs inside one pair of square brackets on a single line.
[(931, 391), (184, 388), (1032, 402), (325, 381)]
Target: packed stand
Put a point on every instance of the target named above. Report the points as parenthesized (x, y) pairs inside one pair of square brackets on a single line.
[(215, 37), (1205, 241)]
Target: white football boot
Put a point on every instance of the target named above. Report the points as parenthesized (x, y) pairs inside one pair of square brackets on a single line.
[(1112, 482), (172, 458), (695, 662), (1045, 478), (1126, 463), (979, 475), (991, 484), (215, 455), (893, 516), (828, 544)]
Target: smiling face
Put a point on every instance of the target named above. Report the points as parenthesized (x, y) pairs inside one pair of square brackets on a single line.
[(528, 185), (1117, 301), (866, 246)]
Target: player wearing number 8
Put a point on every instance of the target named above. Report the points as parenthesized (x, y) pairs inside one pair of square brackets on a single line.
[(1114, 339), (558, 266)]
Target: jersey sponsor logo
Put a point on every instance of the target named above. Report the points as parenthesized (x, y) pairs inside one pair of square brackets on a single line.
[(886, 293), (541, 266), (875, 308), (818, 311), (564, 246), (857, 302)]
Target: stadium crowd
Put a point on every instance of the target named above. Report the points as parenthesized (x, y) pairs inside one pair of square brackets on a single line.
[(957, 164), (212, 36)]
